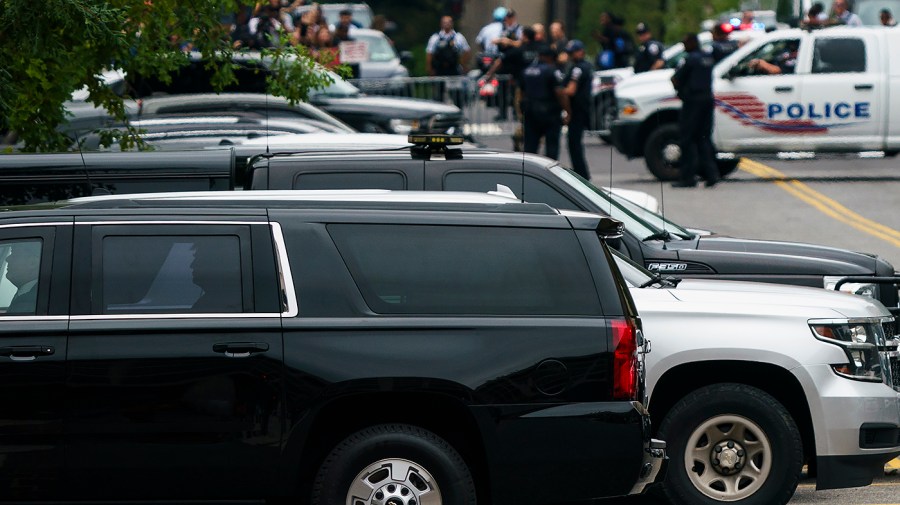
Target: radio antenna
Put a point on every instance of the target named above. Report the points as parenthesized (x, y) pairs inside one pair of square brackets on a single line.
[(523, 174), (662, 191), (87, 173)]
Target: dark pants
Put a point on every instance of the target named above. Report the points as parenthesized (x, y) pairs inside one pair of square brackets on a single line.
[(697, 153), (575, 139), (541, 121)]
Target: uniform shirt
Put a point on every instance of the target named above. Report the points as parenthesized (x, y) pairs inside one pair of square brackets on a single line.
[(581, 72), (722, 48), (540, 82), (458, 39), (649, 53), (693, 79), (850, 19), (486, 36)]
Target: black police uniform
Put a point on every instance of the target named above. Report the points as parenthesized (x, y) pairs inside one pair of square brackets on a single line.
[(693, 82), (581, 72), (541, 108), (649, 53), (722, 48)]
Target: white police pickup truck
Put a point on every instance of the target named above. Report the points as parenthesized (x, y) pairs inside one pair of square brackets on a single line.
[(833, 93)]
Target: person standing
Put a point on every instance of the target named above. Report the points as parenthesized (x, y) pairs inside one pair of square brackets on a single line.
[(514, 61), (650, 53), (490, 32), (543, 102), (446, 54), (887, 18), (578, 90), (693, 83), (842, 14)]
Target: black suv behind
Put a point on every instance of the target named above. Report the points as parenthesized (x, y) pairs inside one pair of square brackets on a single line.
[(359, 348), (649, 239)]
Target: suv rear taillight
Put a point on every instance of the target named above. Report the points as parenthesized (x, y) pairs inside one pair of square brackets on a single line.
[(625, 359)]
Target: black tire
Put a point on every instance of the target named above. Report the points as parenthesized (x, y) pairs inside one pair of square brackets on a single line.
[(750, 419), (605, 112), (661, 140), (372, 453), (727, 166)]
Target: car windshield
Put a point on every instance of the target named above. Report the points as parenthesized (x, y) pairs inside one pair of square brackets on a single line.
[(339, 88), (639, 221), (378, 47)]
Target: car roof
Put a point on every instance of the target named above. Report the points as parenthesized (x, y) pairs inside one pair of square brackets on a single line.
[(341, 195)]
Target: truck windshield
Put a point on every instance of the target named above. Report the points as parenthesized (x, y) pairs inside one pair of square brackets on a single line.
[(640, 222)]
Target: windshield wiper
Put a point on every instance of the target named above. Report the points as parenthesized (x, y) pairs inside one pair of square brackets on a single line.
[(662, 281), (662, 235)]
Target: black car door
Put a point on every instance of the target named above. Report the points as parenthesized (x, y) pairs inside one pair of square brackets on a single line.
[(34, 267), (174, 386)]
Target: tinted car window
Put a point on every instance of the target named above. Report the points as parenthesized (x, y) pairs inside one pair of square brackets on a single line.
[(20, 263), (171, 274), (468, 270), (535, 190), (839, 55), (350, 180)]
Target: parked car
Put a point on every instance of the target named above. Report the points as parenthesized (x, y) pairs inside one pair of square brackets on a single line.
[(370, 114), (364, 347), (748, 382)]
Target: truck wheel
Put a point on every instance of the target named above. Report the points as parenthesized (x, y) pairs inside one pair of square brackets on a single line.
[(731, 443), (662, 152), (605, 113), (727, 166), (393, 464)]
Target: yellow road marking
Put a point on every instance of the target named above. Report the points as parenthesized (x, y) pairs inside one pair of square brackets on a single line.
[(821, 202)]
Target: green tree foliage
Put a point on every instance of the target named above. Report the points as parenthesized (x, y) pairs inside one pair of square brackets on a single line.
[(52, 48), (670, 20)]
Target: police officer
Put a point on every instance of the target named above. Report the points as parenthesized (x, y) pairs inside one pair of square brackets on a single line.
[(578, 89), (693, 82), (650, 53), (543, 103), (722, 46)]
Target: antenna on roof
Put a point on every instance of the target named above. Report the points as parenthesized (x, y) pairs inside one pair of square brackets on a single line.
[(523, 175), (87, 173), (662, 192)]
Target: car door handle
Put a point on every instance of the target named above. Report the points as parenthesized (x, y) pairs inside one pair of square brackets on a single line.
[(784, 89), (26, 352), (863, 87), (240, 349)]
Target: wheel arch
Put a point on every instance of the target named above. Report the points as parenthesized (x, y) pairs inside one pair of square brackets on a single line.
[(313, 438), (781, 384)]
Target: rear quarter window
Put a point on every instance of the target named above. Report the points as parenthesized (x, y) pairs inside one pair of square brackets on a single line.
[(468, 270)]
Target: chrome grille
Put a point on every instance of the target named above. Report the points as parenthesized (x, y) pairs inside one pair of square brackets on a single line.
[(892, 350)]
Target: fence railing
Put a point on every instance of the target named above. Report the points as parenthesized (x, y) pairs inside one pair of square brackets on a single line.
[(488, 107)]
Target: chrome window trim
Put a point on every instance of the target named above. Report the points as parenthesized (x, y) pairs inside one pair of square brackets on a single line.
[(285, 278), (4, 318), (127, 222), (219, 315), (33, 225)]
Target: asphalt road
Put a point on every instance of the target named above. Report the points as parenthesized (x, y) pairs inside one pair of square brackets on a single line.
[(850, 202)]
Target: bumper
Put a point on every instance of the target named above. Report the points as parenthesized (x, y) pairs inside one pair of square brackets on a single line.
[(856, 425), (836, 472), (654, 468), (586, 450), (625, 136)]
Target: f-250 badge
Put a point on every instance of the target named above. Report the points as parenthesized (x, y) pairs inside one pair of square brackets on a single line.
[(667, 267)]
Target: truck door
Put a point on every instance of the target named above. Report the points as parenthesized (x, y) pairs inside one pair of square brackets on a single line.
[(844, 92), (34, 266), (174, 385), (752, 98)]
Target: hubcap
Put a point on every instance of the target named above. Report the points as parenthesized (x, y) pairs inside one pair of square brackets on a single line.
[(672, 153), (728, 458), (394, 482)]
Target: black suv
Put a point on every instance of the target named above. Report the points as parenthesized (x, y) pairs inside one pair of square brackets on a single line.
[(650, 240), (360, 348)]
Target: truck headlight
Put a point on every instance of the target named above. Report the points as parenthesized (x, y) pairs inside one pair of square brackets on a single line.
[(860, 342), (867, 289), (404, 126), (627, 107)]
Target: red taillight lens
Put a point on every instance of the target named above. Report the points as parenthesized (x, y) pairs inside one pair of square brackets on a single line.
[(625, 360)]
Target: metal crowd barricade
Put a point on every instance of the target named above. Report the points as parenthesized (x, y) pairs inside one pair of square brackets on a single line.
[(481, 106)]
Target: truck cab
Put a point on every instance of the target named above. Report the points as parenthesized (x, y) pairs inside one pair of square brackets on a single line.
[(825, 90)]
